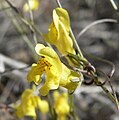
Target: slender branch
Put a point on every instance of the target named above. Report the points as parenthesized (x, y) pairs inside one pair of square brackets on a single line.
[(95, 23), (110, 74), (29, 24), (12, 69), (19, 28), (114, 5), (2, 9), (112, 88), (94, 76), (32, 22)]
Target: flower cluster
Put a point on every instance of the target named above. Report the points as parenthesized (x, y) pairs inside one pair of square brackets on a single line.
[(57, 74), (33, 5), (51, 71), (61, 105), (29, 103)]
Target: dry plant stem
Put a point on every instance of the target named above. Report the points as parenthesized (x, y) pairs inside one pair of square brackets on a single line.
[(95, 23), (114, 5), (1, 10), (72, 35), (31, 24), (34, 28), (12, 69), (110, 74), (113, 91), (94, 76), (20, 30), (32, 21)]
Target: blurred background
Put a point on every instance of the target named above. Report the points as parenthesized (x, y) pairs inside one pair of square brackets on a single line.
[(100, 40)]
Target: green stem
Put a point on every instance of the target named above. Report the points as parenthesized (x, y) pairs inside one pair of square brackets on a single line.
[(104, 61), (52, 113), (71, 104), (94, 76), (71, 101)]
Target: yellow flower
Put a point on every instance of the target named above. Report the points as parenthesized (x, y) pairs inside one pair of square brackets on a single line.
[(59, 31), (49, 64), (70, 79), (33, 4), (55, 71), (29, 103), (61, 105)]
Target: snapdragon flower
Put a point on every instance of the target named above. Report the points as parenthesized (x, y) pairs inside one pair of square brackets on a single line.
[(56, 73), (59, 32), (61, 105), (29, 103)]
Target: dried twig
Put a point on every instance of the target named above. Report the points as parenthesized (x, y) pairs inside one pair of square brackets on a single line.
[(95, 23)]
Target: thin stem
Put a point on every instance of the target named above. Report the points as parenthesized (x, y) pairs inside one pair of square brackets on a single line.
[(75, 43), (110, 74), (71, 103), (95, 23), (26, 22), (50, 108), (32, 22), (71, 100), (114, 5), (94, 76), (13, 69), (59, 4), (19, 28), (113, 91)]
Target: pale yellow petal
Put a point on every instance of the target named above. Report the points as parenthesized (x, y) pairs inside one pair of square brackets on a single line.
[(34, 74), (59, 31), (56, 95), (43, 106), (45, 51), (60, 14), (66, 43), (33, 4), (50, 56), (61, 105), (70, 79), (52, 82), (52, 32), (38, 47)]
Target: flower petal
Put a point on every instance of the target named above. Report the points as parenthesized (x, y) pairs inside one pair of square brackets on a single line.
[(45, 51), (59, 31), (43, 106), (52, 82), (50, 56), (60, 14), (34, 74), (67, 76), (34, 4)]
